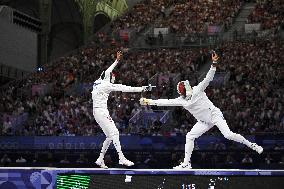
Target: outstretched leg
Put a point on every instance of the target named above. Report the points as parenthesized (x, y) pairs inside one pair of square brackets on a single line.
[(197, 130), (222, 125)]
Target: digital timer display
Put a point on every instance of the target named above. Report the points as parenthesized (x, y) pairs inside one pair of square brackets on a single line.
[(73, 181)]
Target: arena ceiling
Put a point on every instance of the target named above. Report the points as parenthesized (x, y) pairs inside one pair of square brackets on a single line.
[(72, 21)]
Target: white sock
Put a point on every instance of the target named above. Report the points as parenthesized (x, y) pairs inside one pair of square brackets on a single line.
[(116, 143), (189, 145), (239, 138), (104, 148)]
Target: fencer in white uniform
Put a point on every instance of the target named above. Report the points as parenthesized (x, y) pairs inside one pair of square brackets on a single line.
[(101, 90), (197, 103)]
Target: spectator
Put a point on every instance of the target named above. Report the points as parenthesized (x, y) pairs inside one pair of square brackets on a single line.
[(160, 37), (230, 159), (278, 146), (65, 160), (220, 146), (247, 159), (21, 160), (281, 161), (163, 11), (156, 126), (82, 159), (5, 160), (35, 158), (268, 159), (7, 126), (139, 164), (150, 161)]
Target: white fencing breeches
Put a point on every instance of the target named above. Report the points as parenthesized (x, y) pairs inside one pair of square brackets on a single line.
[(197, 130), (105, 121), (219, 120), (112, 134), (201, 127)]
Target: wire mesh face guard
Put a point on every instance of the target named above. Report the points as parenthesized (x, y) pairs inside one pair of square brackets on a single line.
[(184, 88), (181, 89)]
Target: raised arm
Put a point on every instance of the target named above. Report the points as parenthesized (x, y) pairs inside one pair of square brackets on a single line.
[(109, 70), (205, 82), (210, 75), (162, 102), (118, 57)]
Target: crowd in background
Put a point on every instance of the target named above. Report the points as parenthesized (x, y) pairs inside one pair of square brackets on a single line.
[(255, 91), (269, 13), (252, 100), (61, 113), (141, 15), (190, 17)]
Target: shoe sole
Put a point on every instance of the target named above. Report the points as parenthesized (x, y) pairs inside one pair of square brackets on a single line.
[(126, 164), (182, 168), (101, 166)]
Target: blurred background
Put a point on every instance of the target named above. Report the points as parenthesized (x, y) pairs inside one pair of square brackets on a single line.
[(51, 52)]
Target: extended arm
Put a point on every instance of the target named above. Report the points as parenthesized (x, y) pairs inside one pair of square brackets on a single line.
[(162, 102), (210, 75), (124, 88)]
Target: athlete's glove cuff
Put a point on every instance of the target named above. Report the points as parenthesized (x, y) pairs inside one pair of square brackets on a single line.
[(147, 88), (145, 101)]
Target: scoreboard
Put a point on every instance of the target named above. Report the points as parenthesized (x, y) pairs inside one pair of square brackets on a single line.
[(117, 178), (134, 181)]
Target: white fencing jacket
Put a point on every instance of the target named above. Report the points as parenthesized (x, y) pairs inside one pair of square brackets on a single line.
[(102, 88), (198, 105)]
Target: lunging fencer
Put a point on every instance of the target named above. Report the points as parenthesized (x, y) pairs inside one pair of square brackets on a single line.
[(101, 90), (195, 100)]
